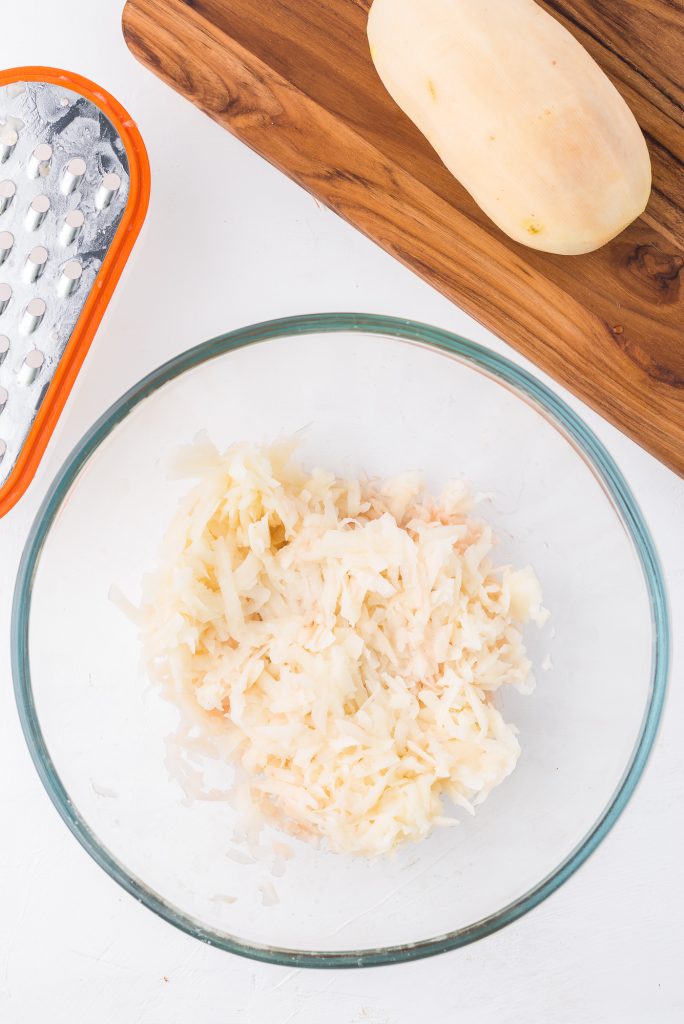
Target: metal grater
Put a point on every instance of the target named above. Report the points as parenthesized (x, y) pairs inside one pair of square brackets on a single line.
[(73, 194)]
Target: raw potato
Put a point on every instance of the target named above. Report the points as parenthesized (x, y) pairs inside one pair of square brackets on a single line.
[(519, 113)]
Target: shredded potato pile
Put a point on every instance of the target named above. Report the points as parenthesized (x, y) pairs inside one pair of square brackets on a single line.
[(348, 636)]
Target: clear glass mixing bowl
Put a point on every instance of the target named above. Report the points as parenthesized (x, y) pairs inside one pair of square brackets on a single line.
[(380, 396)]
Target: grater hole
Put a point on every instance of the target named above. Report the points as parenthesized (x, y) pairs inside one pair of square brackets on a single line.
[(40, 160), (35, 263), (4, 347), (7, 193), (5, 296), (71, 225), (31, 367), (8, 140), (71, 275), (3, 449), (73, 175), (33, 314), (3, 398), (6, 243), (37, 212), (110, 185)]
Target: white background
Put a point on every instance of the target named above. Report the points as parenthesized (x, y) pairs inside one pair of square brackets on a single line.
[(229, 241)]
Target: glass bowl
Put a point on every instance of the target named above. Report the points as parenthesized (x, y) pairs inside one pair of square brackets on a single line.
[(369, 395)]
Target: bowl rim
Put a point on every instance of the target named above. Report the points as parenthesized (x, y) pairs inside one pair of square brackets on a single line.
[(528, 388)]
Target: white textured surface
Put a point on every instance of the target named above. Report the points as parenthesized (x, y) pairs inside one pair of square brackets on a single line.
[(606, 949)]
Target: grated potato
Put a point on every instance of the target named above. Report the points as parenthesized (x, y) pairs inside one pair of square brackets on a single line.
[(346, 639)]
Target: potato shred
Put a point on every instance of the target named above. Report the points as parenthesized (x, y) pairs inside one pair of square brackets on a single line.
[(347, 637)]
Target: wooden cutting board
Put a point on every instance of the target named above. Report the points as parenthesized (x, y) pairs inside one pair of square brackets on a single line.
[(294, 80)]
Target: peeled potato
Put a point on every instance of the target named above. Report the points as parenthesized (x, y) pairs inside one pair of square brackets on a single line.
[(519, 113)]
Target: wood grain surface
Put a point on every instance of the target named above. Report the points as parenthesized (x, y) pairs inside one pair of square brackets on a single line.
[(293, 79)]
